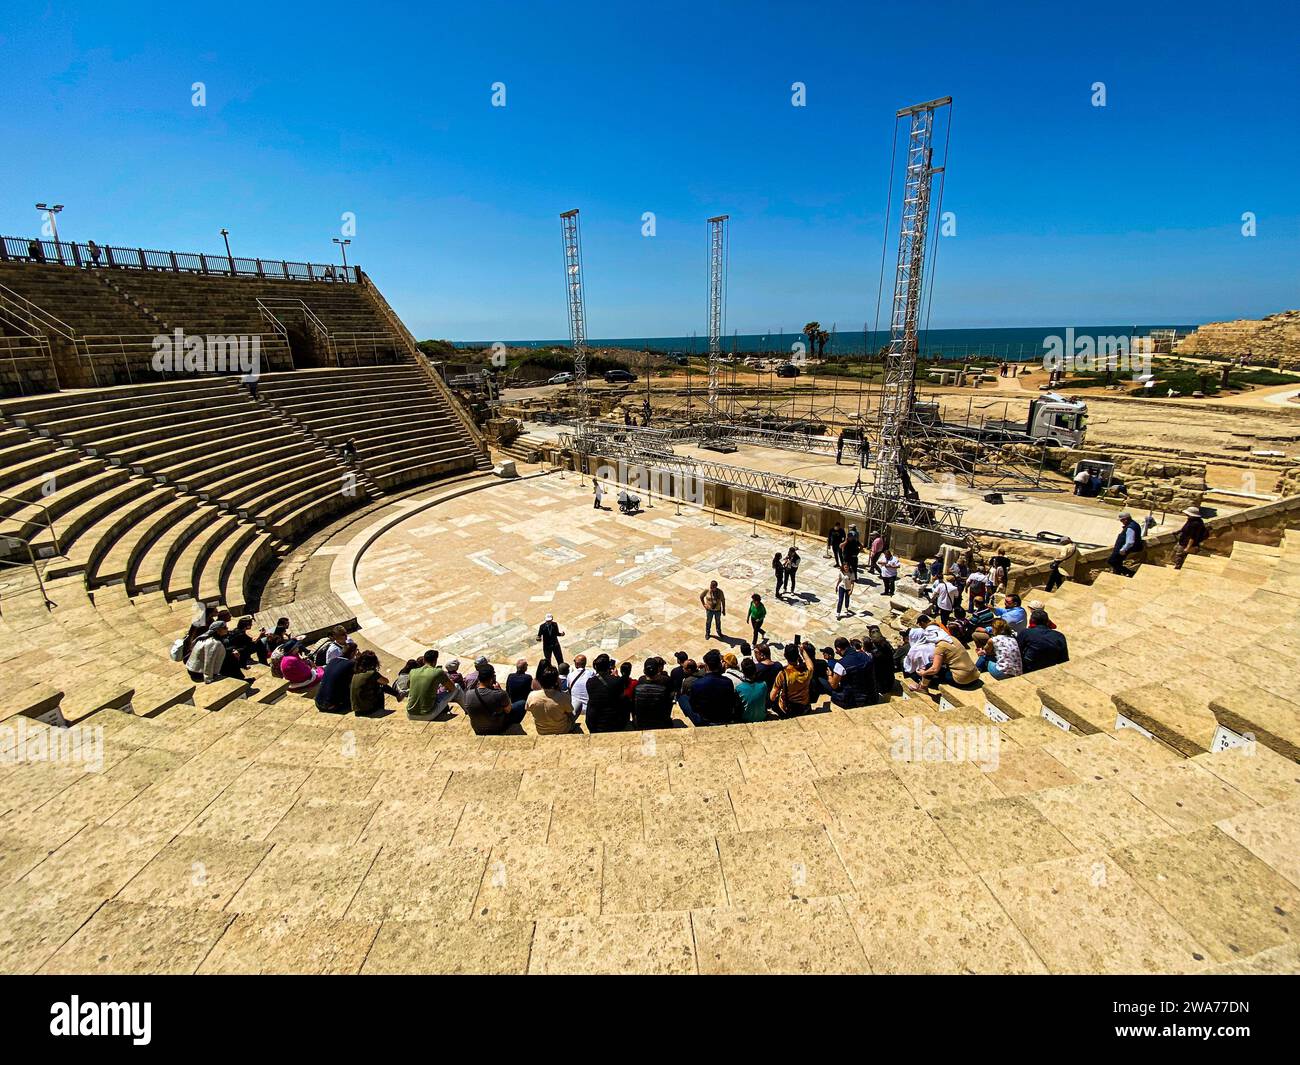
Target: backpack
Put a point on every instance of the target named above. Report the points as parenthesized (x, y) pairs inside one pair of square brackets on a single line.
[(177, 653), (318, 656)]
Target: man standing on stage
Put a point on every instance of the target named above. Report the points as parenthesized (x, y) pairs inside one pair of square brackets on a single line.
[(549, 634), (714, 602)]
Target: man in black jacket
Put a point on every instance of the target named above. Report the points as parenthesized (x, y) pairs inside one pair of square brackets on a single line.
[(1127, 544), (606, 708), (853, 677), (549, 634), (713, 697), (652, 700), (1040, 644)]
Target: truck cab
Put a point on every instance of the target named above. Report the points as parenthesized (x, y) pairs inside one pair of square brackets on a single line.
[(1057, 421)]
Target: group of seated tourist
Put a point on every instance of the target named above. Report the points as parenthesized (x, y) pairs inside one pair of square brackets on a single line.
[(949, 645), (1006, 641)]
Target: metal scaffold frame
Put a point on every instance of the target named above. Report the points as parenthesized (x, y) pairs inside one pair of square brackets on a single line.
[(653, 452), (570, 231), (898, 389), (717, 305)]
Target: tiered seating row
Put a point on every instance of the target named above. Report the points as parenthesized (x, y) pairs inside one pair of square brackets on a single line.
[(797, 846), (1141, 656), (403, 430)]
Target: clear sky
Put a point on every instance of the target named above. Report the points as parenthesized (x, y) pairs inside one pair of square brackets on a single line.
[(1067, 213)]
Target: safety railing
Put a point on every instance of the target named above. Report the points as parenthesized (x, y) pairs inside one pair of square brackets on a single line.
[(91, 255), (27, 351), (17, 307), (356, 344), (29, 504), (116, 348)]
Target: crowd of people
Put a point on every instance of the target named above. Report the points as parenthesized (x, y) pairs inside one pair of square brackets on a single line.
[(963, 634)]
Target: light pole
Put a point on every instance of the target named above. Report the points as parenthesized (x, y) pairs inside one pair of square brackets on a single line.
[(52, 213), (343, 247), (225, 235)]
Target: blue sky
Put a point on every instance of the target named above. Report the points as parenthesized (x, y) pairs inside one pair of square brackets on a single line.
[(1066, 213)]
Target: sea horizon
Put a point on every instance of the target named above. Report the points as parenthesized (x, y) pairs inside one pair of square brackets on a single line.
[(1012, 342)]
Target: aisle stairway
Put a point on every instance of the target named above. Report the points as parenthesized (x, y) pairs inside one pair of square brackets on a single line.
[(900, 837)]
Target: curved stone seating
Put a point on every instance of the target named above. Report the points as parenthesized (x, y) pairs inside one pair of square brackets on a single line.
[(403, 430), (899, 837)]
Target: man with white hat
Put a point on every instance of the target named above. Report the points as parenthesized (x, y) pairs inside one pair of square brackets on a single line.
[(549, 633), (1190, 536)]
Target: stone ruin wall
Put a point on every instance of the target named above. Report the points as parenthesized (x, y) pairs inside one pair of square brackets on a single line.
[(1275, 339)]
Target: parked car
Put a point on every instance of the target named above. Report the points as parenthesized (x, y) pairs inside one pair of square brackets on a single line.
[(615, 377), (787, 369), (561, 379)]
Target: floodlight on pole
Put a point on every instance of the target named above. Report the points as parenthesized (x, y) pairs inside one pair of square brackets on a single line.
[(52, 212), (343, 243), (225, 235)]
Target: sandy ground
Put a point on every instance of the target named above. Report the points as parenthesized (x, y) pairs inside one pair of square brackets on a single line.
[(1189, 426)]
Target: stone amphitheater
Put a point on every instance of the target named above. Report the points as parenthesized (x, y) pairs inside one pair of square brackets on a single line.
[(1133, 810)]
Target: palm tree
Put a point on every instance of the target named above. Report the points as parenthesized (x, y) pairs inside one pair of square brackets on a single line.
[(812, 330), (822, 337)]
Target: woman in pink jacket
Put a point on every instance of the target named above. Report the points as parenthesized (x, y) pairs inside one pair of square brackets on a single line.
[(297, 670)]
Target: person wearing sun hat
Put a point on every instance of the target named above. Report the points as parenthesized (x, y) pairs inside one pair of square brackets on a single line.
[(1190, 536)]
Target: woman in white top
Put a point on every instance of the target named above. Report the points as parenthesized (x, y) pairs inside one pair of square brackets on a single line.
[(920, 652), (843, 590)]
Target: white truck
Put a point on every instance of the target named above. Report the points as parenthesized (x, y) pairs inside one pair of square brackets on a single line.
[(1057, 421), (1053, 420)]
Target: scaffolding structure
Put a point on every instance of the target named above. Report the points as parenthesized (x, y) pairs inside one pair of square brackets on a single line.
[(717, 306), (898, 389), (901, 436), (634, 450), (570, 231)]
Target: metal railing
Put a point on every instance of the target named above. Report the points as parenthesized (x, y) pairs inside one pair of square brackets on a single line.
[(269, 306), (32, 505), (27, 351), (337, 344), (112, 347), (91, 255), (18, 307), (355, 342)]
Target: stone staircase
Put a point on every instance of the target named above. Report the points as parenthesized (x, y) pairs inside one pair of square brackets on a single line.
[(911, 836), (523, 449)]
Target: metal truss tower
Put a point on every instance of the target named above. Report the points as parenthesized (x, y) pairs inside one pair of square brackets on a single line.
[(577, 311), (717, 305), (899, 387)]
